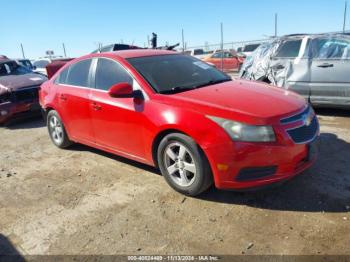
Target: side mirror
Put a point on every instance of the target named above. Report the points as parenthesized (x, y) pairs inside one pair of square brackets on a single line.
[(121, 90)]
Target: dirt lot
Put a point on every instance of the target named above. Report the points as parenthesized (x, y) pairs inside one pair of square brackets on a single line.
[(84, 201)]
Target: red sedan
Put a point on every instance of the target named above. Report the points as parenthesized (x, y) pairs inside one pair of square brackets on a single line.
[(230, 61), (178, 113)]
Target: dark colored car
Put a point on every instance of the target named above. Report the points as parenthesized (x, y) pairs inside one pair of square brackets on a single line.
[(182, 115), (114, 47), (18, 90), (26, 63)]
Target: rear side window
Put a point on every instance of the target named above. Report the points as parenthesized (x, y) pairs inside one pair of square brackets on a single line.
[(289, 49), (331, 48), (62, 77), (109, 73), (78, 74)]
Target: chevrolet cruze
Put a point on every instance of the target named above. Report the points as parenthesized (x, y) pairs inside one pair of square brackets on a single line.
[(175, 112)]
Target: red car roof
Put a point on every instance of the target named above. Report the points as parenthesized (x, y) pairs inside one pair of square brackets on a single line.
[(142, 52)]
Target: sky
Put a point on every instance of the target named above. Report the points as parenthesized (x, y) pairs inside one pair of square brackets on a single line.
[(81, 24)]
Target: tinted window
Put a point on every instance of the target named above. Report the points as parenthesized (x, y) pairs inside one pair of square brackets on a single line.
[(62, 77), (331, 48), (109, 73), (176, 73), (12, 68), (289, 49), (198, 52), (217, 55), (78, 74), (41, 63), (250, 48)]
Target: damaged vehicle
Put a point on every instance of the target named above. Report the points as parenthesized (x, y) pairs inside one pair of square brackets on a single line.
[(315, 66), (19, 88), (177, 113)]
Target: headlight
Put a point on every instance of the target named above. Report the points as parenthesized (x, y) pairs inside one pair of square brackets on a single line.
[(245, 133)]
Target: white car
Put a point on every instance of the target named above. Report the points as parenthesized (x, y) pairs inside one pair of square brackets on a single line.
[(199, 53), (39, 65)]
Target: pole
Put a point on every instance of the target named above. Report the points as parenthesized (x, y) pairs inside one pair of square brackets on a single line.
[(222, 47), (24, 57), (183, 41), (276, 21), (64, 50), (345, 10)]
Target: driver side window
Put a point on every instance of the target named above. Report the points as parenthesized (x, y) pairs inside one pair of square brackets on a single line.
[(109, 73)]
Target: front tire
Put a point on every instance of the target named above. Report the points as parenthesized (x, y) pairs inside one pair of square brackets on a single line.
[(184, 165), (57, 131)]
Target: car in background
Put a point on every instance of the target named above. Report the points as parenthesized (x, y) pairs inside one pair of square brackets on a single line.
[(176, 112), (248, 49), (231, 60), (25, 62), (114, 47), (41, 63), (19, 88), (3, 57), (315, 66), (196, 52)]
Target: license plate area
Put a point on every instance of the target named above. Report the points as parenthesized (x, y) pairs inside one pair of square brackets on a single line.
[(312, 149)]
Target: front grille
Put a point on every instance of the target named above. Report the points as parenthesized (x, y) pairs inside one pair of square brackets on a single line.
[(27, 94), (304, 133), (296, 117)]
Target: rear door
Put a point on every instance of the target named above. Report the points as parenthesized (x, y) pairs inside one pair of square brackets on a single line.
[(330, 77), (74, 102)]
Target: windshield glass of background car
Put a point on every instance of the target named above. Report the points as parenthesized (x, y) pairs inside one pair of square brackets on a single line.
[(289, 49), (12, 68), (331, 48), (41, 63), (167, 72)]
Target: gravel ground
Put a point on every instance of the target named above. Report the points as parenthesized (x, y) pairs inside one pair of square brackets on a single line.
[(84, 201)]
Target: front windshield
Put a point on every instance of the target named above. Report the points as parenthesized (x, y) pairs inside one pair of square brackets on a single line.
[(176, 73), (12, 68)]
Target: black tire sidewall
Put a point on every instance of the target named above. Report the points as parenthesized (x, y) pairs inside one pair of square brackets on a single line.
[(65, 142), (203, 172)]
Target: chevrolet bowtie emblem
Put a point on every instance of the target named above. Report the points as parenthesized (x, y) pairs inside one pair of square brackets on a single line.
[(307, 119)]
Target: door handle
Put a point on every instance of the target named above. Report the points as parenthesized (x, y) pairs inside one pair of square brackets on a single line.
[(63, 97), (96, 107), (325, 65)]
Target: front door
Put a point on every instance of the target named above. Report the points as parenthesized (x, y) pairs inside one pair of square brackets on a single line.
[(117, 122)]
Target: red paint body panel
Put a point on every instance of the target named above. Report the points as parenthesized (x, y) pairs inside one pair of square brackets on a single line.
[(229, 64), (121, 126)]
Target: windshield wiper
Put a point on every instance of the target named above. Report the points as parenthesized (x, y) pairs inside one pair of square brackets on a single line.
[(179, 89), (213, 82)]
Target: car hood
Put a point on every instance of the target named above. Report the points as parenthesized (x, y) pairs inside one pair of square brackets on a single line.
[(253, 102), (15, 82)]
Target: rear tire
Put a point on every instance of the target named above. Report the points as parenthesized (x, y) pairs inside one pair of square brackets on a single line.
[(184, 165), (56, 129)]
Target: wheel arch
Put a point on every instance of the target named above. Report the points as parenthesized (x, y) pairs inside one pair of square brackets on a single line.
[(158, 138)]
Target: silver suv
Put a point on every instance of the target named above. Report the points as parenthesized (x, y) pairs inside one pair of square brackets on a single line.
[(315, 66)]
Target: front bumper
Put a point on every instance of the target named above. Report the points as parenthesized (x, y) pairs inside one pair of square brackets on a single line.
[(276, 163), (10, 110)]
